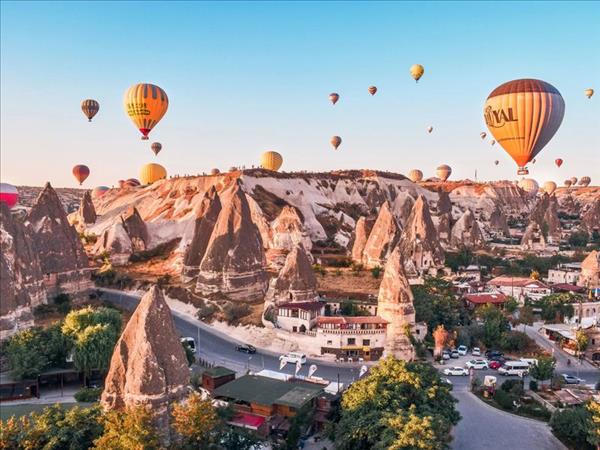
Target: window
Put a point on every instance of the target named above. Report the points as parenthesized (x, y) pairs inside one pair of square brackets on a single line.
[(329, 342), (366, 342), (351, 341), (294, 313)]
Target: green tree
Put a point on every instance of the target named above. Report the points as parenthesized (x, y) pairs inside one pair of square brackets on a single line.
[(57, 346), (495, 324), (132, 428), (573, 425), (195, 421), (395, 403), (526, 316), (544, 369), (436, 304), (79, 320), (594, 432), (555, 307), (25, 353), (94, 347), (511, 305), (579, 238), (581, 341)]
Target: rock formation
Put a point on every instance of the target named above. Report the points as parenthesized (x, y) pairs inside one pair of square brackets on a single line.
[(402, 206), (148, 366), (590, 270), (466, 232), (543, 219), (136, 229), (21, 281), (419, 240), (287, 232), (533, 237), (234, 261), (62, 258), (85, 215), (444, 205), (569, 206), (296, 282), (395, 304), (382, 239), (206, 218), (590, 219), (361, 234), (498, 222)]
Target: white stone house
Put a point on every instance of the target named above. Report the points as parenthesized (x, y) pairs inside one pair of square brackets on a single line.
[(520, 287), (352, 337), (564, 273), (299, 317)]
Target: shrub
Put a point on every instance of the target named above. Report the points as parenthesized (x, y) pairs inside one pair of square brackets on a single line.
[(43, 310), (513, 386), (189, 353), (504, 399), (196, 381), (88, 395), (535, 410), (63, 303), (235, 311), (318, 268), (572, 425), (376, 271), (206, 311), (357, 267), (533, 385)]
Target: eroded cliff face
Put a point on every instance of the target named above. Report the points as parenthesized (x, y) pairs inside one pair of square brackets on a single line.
[(296, 281)]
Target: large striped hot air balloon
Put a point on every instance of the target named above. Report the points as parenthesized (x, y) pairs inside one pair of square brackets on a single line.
[(9, 194), (417, 71), (415, 175), (90, 108), (145, 104), (443, 172), (152, 172), (99, 191), (271, 160), (523, 115), (81, 172)]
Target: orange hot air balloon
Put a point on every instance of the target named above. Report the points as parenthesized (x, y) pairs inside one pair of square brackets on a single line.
[(443, 172), (145, 105), (417, 71), (523, 115), (372, 90), (156, 147), (336, 141), (90, 108), (589, 92), (81, 172), (558, 162), (334, 97)]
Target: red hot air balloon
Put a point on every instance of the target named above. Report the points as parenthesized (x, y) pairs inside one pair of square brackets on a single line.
[(558, 162), (9, 194), (81, 172)]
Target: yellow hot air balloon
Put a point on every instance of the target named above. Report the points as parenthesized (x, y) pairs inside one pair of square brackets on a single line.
[(415, 175), (152, 172), (145, 104), (417, 71), (336, 141), (443, 172), (483, 134), (589, 92), (271, 160), (549, 187), (523, 115)]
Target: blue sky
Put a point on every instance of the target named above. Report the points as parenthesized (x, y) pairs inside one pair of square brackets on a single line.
[(246, 77)]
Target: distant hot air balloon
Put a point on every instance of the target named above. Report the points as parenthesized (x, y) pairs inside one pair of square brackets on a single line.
[(523, 115), (585, 181), (429, 129), (417, 71), (558, 162), (549, 187), (589, 92), (492, 142), (483, 135), (336, 141), (415, 175), (99, 191), (568, 182), (271, 160), (215, 171), (151, 173), (9, 194), (443, 172), (533, 161), (132, 182), (530, 186), (334, 97), (81, 172), (496, 162), (574, 180), (233, 169), (156, 147), (145, 105), (372, 90), (90, 108)]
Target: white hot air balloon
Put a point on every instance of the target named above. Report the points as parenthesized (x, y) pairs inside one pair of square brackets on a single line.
[(443, 172), (549, 187), (415, 175), (530, 186)]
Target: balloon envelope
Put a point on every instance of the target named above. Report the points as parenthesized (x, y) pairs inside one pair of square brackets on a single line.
[(152, 172), (585, 181), (145, 104), (549, 187), (415, 175), (336, 141), (429, 129), (443, 172), (156, 147), (523, 116), (558, 162), (99, 191), (334, 97), (574, 180), (496, 162), (530, 186), (372, 90), (568, 183), (9, 194), (81, 172), (271, 160), (589, 92), (483, 135), (90, 108), (417, 71), (215, 171)]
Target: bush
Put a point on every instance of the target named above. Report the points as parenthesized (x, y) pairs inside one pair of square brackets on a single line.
[(504, 399), (63, 303), (196, 381), (318, 268), (533, 385), (357, 267), (572, 425), (235, 311), (43, 310), (515, 341), (88, 395), (535, 410), (579, 238), (513, 386), (376, 271), (206, 311)]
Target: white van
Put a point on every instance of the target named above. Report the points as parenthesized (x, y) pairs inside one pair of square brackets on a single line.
[(190, 342), (520, 368), (293, 358)]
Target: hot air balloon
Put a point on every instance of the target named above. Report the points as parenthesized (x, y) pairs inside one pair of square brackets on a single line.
[(9, 194), (145, 105), (533, 161), (585, 181), (549, 187), (523, 115), (573, 181), (372, 90), (90, 108), (215, 171), (417, 71), (99, 191), (496, 162), (156, 147), (483, 135), (132, 182), (492, 142), (415, 175), (271, 160), (530, 186), (568, 183), (336, 141), (334, 97), (589, 92), (121, 183), (558, 162), (152, 172), (429, 129), (81, 172), (443, 172)]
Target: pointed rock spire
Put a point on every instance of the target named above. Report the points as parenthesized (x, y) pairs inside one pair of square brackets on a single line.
[(136, 229), (87, 212), (361, 234), (466, 232), (498, 221), (296, 282), (382, 239), (288, 231), (148, 366), (395, 304), (402, 206), (591, 218)]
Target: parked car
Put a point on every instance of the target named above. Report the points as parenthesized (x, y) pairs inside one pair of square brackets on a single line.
[(446, 355), (246, 348), (476, 351), (519, 368), (460, 371), (462, 350), (190, 342), (570, 379), (494, 365), (493, 354), (293, 357), (477, 364), (454, 354), (530, 361)]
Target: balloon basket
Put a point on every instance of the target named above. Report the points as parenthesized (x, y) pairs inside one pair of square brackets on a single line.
[(145, 138), (523, 171)]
